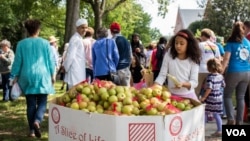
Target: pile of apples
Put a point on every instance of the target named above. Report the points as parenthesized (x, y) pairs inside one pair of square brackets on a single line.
[(108, 98)]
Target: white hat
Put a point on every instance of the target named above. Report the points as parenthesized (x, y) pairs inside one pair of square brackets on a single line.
[(81, 22), (52, 39)]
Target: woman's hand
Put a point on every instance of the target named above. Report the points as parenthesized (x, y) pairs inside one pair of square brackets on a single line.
[(202, 99)]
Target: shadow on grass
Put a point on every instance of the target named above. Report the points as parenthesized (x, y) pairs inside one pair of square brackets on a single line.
[(13, 120)]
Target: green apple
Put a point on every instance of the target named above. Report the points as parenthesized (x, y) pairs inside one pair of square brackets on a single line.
[(129, 94), (174, 102), (104, 96), (180, 106), (66, 98), (83, 105), (136, 111), (156, 92), (91, 108), (136, 104), (141, 97), (99, 110), (102, 90), (112, 91), (72, 93), (187, 108), (74, 105), (92, 103), (112, 99), (127, 101), (154, 101), (106, 104), (86, 90), (144, 104), (127, 109), (121, 96), (186, 101), (96, 97), (147, 91), (152, 111), (79, 88), (119, 89), (161, 106), (165, 95)]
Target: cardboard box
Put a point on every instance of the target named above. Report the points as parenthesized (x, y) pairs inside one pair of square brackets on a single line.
[(66, 124)]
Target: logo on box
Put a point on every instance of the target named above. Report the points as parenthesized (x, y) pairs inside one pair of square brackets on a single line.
[(175, 126), (55, 114)]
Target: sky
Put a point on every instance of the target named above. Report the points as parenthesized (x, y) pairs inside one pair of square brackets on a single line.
[(166, 25)]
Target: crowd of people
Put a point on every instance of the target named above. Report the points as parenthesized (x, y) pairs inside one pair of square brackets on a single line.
[(205, 70)]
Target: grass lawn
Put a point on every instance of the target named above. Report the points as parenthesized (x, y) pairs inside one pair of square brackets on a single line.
[(13, 121)]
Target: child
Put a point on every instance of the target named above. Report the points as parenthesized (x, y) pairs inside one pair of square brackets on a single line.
[(182, 61), (213, 94), (136, 69)]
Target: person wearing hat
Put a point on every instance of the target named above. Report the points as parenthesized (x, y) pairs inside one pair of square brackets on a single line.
[(88, 42), (53, 44), (6, 61), (125, 53), (74, 63)]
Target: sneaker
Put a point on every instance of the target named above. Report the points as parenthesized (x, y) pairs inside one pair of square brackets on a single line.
[(224, 116), (31, 135), (216, 134), (37, 130), (230, 122)]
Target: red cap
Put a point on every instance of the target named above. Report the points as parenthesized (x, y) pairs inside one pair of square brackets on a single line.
[(115, 27)]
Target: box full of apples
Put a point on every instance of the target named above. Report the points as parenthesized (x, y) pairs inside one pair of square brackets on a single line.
[(103, 111), (106, 98)]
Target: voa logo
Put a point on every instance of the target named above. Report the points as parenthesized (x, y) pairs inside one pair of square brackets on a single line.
[(236, 132)]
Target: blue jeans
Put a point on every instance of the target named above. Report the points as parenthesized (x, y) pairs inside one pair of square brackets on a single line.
[(6, 87), (36, 107)]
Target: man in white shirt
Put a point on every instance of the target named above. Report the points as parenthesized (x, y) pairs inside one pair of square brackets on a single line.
[(74, 63)]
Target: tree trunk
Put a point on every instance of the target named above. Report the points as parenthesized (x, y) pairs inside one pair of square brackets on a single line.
[(72, 14), (98, 21)]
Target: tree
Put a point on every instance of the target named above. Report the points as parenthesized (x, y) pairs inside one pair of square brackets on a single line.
[(198, 25), (100, 9), (72, 14), (221, 14), (13, 14)]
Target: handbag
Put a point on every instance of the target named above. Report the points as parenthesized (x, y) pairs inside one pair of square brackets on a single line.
[(15, 91), (112, 75)]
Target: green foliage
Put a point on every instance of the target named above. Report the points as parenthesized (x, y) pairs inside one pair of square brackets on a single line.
[(224, 13), (13, 13), (129, 15), (162, 8), (155, 34), (197, 25)]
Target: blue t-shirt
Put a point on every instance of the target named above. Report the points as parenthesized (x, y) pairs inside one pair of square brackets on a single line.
[(239, 59), (222, 52)]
